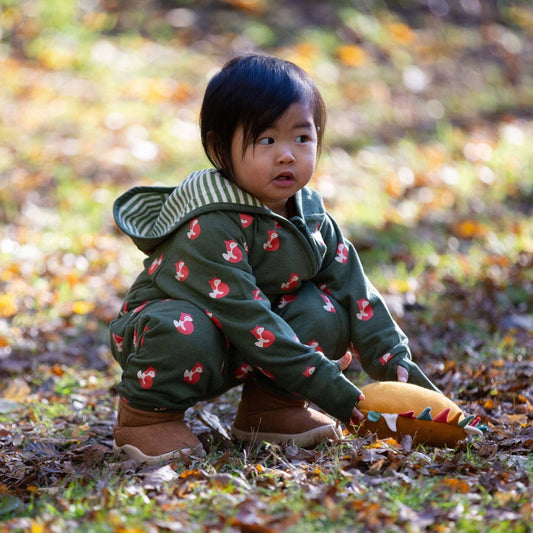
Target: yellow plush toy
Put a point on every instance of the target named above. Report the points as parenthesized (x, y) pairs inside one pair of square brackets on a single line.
[(394, 409)]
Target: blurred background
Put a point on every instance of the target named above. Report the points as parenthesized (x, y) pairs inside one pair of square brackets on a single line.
[(427, 163)]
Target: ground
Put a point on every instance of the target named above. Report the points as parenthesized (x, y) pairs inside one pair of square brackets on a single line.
[(426, 165)]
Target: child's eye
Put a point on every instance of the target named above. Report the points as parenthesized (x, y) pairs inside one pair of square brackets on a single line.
[(302, 138), (266, 140)]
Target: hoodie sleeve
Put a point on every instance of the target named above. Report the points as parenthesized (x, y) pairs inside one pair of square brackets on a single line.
[(206, 262), (380, 343)]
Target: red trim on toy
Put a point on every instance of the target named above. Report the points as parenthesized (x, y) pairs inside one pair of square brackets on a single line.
[(408, 414), (442, 417)]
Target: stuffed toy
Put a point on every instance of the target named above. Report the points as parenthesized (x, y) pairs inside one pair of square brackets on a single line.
[(394, 409)]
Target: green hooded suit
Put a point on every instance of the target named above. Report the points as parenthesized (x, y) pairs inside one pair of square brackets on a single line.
[(231, 288)]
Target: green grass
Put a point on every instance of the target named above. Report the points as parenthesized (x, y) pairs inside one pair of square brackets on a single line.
[(93, 102), (330, 498)]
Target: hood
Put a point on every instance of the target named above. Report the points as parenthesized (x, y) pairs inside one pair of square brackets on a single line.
[(150, 214)]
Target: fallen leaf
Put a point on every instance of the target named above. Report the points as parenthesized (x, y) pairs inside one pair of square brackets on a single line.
[(401, 32), (17, 391), (351, 55), (470, 229)]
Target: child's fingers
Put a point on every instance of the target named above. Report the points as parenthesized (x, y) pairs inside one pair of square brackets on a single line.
[(356, 417), (345, 360)]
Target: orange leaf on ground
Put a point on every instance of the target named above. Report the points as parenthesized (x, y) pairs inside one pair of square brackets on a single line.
[(351, 55), (457, 485), (469, 229), (251, 6), (401, 32), (82, 308), (17, 391), (8, 305)]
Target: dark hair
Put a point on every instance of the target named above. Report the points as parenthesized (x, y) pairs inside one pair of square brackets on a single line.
[(253, 91)]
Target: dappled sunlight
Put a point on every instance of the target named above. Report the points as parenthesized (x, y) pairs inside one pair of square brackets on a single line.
[(427, 165)]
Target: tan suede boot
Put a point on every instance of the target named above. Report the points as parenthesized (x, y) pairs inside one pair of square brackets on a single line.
[(266, 416), (153, 437)]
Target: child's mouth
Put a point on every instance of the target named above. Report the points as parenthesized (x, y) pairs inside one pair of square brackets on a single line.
[(285, 178)]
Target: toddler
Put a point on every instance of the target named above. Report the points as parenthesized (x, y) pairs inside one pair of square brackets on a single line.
[(247, 280)]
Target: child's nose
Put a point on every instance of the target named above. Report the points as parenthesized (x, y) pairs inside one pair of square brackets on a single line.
[(285, 154)]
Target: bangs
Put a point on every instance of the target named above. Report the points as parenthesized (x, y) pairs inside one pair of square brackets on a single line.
[(269, 100)]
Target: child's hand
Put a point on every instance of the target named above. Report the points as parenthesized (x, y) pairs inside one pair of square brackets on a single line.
[(356, 416), (345, 360), (402, 373)]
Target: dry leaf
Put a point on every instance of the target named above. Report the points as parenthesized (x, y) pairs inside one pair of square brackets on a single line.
[(351, 55), (401, 32), (17, 390)]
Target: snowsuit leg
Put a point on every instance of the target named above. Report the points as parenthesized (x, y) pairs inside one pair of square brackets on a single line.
[(317, 319), (172, 355)]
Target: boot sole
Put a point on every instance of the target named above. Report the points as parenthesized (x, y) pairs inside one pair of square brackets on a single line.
[(307, 439), (134, 453)]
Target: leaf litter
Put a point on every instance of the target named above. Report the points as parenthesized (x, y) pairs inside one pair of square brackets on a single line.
[(60, 289), (343, 478)]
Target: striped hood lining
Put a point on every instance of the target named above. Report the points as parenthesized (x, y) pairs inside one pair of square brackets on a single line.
[(150, 214)]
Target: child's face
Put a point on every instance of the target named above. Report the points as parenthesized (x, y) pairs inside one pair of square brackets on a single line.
[(281, 161)]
